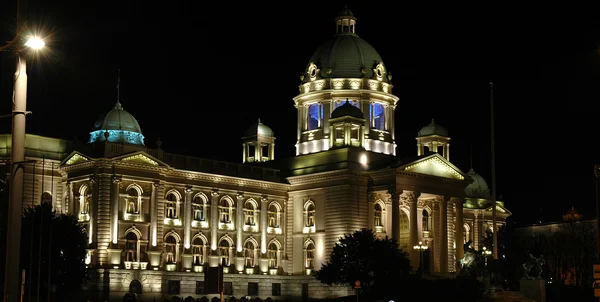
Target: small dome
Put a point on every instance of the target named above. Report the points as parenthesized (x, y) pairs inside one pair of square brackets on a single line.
[(117, 125), (347, 109), (572, 215), (259, 129), (478, 188), (345, 12), (433, 129)]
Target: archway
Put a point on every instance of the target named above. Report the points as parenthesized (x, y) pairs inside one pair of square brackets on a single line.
[(135, 287)]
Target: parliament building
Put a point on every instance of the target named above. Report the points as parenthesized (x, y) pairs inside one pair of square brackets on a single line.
[(157, 220)]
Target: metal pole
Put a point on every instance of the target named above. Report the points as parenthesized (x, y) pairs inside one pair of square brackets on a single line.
[(493, 153), (15, 206), (597, 174)]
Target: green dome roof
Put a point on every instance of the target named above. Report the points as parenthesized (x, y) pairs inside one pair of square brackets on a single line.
[(433, 129), (347, 109), (259, 129), (345, 12), (478, 188), (118, 119)]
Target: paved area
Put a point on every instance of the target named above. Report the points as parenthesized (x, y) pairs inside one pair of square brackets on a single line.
[(507, 296)]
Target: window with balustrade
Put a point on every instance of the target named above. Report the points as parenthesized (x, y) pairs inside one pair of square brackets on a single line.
[(170, 250), (171, 204), (272, 254), (249, 252)]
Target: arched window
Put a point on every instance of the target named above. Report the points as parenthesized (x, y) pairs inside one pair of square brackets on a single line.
[(309, 214), (199, 208), (274, 216), (249, 250), (403, 230), (377, 215), (377, 113), (133, 201), (466, 233), (309, 256), (171, 206), (131, 246), (170, 249), (426, 221), (225, 210), (198, 251), (272, 254), (249, 213), (314, 116), (224, 252)]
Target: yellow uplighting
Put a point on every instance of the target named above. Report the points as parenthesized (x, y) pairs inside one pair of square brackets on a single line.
[(35, 43)]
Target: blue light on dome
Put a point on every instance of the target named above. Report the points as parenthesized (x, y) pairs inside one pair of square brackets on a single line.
[(117, 136)]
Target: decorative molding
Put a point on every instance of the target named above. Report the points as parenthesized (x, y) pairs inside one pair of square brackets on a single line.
[(240, 195), (330, 175)]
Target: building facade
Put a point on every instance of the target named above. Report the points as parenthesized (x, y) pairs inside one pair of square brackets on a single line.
[(156, 220)]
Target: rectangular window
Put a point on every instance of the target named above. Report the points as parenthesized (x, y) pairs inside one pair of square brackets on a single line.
[(252, 289), (276, 289), (314, 117), (227, 288), (199, 287), (377, 113), (173, 288)]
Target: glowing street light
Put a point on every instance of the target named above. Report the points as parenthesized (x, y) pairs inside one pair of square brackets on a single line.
[(486, 252), (420, 247), (17, 161), (35, 43)]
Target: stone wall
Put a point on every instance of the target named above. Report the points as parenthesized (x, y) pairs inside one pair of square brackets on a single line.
[(111, 285)]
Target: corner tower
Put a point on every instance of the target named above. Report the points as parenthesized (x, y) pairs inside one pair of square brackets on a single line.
[(435, 138), (258, 143), (345, 67)]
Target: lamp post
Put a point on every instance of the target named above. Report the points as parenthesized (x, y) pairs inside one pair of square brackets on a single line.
[(420, 247), (17, 161), (486, 254)]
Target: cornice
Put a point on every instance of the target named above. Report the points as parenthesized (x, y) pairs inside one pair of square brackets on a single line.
[(330, 175), (425, 176)]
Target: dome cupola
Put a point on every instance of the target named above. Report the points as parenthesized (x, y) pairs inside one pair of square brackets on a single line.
[(478, 188)]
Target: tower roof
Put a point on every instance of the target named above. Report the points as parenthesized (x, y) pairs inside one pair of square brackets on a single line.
[(433, 129), (347, 109), (259, 129), (117, 125)]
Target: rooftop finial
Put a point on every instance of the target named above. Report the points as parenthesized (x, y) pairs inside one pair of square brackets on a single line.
[(118, 105)]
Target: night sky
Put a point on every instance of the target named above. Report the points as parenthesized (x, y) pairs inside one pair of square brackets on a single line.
[(198, 76)]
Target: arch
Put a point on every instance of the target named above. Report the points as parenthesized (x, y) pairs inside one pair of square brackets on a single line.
[(466, 226), (276, 204), (251, 239), (252, 201), (308, 242), (277, 243), (202, 196), (46, 197), (227, 238), (228, 199), (428, 209), (174, 234), (134, 230), (174, 192), (381, 204), (83, 190), (135, 287), (308, 203), (136, 187), (202, 237)]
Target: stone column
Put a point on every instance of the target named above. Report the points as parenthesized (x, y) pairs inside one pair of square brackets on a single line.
[(263, 224), (160, 213), (214, 218), (435, 253), (395, 215), (476, 230), (239, 221), (419, 150), (92, 205), (188, 217), (69, 203), (272, 151), (153, 216), (443, 235), (116, 182), (460, 251), (411, 199), (244, 147)]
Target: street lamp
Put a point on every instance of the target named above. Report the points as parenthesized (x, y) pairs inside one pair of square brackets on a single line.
[(17, 161), (420, 247), (486, 253)]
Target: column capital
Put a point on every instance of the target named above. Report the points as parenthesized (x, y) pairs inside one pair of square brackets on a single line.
[(409, 196), (240, 195), (264, 198), (92, 180), (188, 189), (157, 184), (214, 192), (116, 179)]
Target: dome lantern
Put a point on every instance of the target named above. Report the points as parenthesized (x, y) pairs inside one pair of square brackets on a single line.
[(435, 138), (345, 22), (258, 143)]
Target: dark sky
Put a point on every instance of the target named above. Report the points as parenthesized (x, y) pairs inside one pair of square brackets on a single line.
[(198, 76)]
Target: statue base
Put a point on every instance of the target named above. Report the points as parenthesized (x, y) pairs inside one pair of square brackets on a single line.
[(534, 289)]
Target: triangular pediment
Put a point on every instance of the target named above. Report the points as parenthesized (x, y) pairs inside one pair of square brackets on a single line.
[(435, 165), (141, 157), (75, 158)]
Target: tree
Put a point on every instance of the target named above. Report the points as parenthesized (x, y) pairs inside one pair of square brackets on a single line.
[(53, 250), (377, 263)]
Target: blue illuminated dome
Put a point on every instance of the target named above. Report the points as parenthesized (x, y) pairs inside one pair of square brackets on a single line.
[(117, 126)]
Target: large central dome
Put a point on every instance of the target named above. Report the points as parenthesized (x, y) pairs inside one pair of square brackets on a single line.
[(345, 55), (117, 126)]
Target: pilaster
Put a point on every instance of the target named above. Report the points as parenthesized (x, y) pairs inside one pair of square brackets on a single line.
[(214, 218), (160, 213), (188, 217), (443, 235), (116, 182), (103, 216), (263, 224), (459, 236), (239, 221)]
